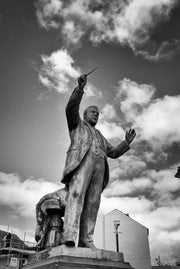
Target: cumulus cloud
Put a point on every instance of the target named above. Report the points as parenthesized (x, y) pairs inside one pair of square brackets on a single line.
[(155, 118), (107, 113), (127, 205), (57, 70), (161, 185), (125, 22), (130, 165), (72, 33), (127, 187), (92, 91), (159, 122), (47, 12), (111, 130), (134, 97), (22, 195), (109, 124), (165, 183)]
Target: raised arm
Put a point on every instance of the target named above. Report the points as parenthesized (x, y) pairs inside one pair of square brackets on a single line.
[(115, 152), (72, 108)]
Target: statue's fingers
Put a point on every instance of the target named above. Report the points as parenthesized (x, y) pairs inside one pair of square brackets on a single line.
[(133, 135), (132, 131)]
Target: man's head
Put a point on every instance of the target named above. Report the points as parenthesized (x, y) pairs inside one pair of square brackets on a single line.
[(91, 115)]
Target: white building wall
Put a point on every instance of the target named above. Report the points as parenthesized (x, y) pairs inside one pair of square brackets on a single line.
[(133, 238)]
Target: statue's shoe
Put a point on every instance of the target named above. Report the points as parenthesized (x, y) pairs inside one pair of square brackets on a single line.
[(86, 245), (68, 239), (69, 242)]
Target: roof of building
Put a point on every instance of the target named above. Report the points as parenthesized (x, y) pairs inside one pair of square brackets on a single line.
[(125, 215), (2, 234), (11, 239)]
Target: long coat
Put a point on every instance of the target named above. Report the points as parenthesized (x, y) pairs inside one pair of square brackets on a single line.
[(81, 140)]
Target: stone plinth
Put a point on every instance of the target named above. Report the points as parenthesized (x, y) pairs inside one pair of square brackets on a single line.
[(62, 257)]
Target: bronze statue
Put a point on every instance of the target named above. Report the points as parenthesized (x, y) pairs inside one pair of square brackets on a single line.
[(85, 176), (86, 171)]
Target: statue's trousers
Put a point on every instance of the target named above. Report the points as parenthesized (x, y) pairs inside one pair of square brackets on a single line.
[(84, 198)]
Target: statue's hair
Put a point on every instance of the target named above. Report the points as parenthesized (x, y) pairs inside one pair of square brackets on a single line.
[(85, 111)]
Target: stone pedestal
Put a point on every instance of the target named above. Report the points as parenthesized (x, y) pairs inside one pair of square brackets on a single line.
[(62, 257)]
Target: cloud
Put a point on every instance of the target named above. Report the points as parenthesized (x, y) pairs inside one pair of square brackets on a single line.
[(124, 22), (127, 205), (111, 130), (141, 19), (130, 165), (47, 12), (159, 122), (72, 33), (165, 51), (155, 118), (109, 124), (165, 182), (134, 97), (92, 91), (127, 187), (22, 195), (107, 113), (132, 177), (57, 70)]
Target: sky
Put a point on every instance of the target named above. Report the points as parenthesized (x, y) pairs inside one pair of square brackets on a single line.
[(45, 46)]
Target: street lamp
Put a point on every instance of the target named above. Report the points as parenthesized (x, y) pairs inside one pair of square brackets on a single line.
[(117, 237)]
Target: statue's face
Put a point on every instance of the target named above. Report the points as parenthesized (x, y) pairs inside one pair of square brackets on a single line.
[(92, 115)]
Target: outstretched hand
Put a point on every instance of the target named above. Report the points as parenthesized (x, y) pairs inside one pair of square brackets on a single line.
[(82, 80), (130, 135)]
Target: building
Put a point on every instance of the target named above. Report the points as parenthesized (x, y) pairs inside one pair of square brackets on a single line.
[(116, 231), (13, 251)]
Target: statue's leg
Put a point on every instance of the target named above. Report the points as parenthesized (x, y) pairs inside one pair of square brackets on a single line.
[(75, 200), (91, 205)]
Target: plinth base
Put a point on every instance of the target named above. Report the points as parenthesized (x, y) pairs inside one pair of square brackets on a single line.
[(63, 257)]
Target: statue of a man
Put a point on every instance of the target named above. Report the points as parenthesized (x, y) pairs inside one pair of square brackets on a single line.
[(86, 171)]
